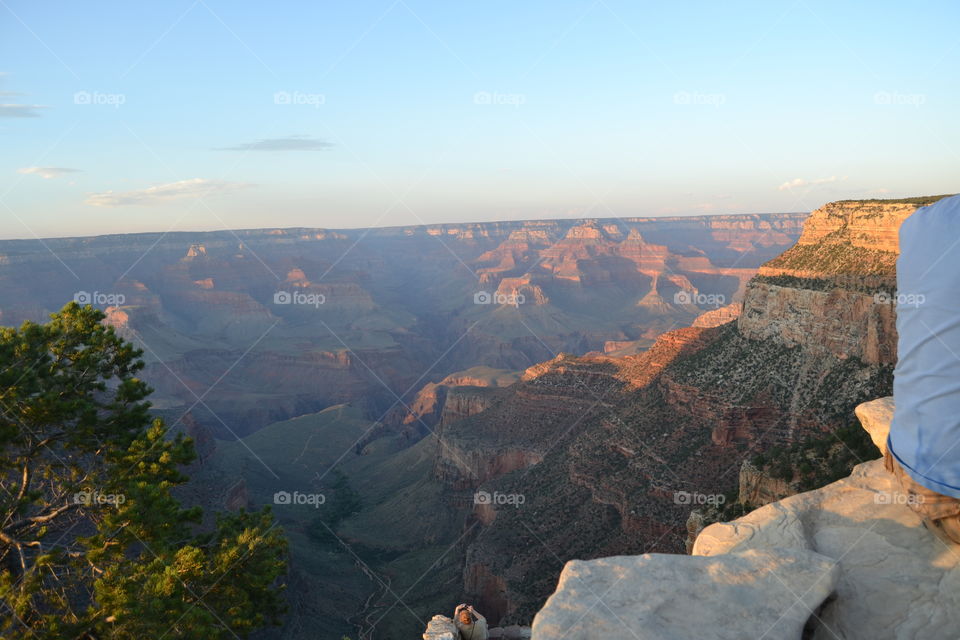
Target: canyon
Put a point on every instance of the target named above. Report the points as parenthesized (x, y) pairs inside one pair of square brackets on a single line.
[(303, 319), (820, 321), (333, 361), (481, 403), (708, 420)]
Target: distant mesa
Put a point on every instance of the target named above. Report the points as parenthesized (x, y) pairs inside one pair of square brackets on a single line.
[(196, 251)]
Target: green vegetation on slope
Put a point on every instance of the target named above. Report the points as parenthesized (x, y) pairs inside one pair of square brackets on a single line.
[(826, 284), (836, 257), (816, 462), (920, 201), (382, 522), (344, 503)]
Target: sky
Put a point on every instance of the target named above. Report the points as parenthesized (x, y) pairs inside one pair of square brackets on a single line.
[(120, 117)]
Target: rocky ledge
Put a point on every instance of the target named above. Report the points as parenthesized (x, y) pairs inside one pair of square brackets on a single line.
[(849, 560)]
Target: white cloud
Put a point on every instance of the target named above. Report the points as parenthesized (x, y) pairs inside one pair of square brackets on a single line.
[(163, 193), (800, 183), (289, 143), (21, 110), (47, 172)]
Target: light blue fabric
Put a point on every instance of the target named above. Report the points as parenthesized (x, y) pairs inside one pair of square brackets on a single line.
[(925, 434)]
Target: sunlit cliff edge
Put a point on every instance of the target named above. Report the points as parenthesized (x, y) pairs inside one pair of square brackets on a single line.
[(845, 560)]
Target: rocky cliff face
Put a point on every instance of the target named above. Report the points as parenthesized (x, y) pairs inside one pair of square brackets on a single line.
[(849, 237), (834, 289), (629, 444), (837, 321), (457, 396), (757, 488), (719, 316)]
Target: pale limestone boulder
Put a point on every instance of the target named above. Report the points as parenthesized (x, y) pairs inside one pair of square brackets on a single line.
[(896, 580), (876, 416), (753, 594), (441, 628)]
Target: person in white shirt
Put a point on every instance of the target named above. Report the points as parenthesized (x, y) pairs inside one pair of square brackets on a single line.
[(923, 449), (470, 624)]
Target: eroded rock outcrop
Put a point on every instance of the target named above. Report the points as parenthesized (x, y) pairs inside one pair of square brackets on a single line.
[(457, 396), (719, 316), (758, 488), (833, 291), (840, 322), (847, 237), (441, 628)]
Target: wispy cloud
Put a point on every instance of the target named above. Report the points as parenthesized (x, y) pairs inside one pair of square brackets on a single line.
[(800, 183), (47, 172), (21, 110), (288, 143), (163, 193), (16, 110)]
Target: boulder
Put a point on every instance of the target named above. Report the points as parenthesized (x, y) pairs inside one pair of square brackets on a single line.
[(750, 594), (441, 628), (876, 416), (896, 579)]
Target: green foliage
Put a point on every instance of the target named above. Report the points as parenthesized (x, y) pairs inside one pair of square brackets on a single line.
[(836, 256), (920, 201), (857, 284), (344, 503), (816, 462), (93, 544)]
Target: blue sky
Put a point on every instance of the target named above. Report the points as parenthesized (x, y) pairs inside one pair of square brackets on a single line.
[(120, 117)]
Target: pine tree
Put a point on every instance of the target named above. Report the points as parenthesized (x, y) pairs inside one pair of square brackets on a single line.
[(92, 542)]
